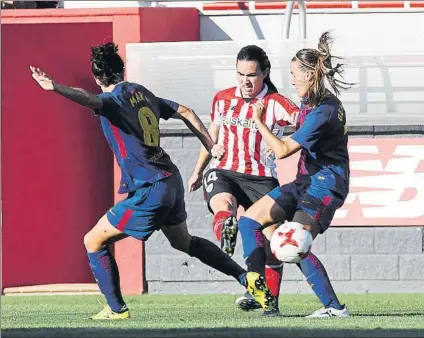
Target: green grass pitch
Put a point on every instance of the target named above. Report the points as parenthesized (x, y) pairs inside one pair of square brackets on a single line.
[(378, 315)]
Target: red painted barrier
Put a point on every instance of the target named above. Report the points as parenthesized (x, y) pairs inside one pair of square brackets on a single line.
[(325, 5), (58, 175), (381, 4), (223, 6), (56, 167), (417, 4)]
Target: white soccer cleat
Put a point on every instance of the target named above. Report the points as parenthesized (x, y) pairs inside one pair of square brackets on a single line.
[(330, 313)]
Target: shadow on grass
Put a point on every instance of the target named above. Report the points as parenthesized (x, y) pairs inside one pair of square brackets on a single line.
[(210, 332), (391, 314), (363, 314)]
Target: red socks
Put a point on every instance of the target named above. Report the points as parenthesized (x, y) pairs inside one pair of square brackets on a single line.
[(273, 277), (218, 221)]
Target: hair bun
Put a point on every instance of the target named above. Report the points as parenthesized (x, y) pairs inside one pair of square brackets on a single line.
[(104, 50)]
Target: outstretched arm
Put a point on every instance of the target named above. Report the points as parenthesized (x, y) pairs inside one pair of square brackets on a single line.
[(76, 95), (80, 96)]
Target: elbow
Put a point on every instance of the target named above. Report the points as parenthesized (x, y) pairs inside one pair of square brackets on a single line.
[(187, 113), (281, 152), (95, 105)]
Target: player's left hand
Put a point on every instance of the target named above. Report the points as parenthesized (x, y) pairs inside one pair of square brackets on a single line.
[(217, 151), (42, 78), (258, 109)]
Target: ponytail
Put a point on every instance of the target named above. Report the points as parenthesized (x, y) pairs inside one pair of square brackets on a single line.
[(319, 62), (271, 87)]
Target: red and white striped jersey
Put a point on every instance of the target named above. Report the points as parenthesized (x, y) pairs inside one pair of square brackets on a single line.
[(238, 133)]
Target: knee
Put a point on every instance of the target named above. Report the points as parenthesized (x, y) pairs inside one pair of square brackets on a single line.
[(309, 222), (223, 202), (181, 243), (265, 211), (91, 243)]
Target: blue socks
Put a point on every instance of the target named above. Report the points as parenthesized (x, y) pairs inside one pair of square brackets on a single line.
[(253, 245), (311, 267), (317, 277), (105, 271), (242, 279)]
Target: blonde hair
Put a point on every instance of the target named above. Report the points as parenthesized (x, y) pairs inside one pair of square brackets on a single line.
[(318, 61)]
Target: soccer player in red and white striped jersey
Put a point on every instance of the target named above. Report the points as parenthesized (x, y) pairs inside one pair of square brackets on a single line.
[(237, 131), (243, 175)]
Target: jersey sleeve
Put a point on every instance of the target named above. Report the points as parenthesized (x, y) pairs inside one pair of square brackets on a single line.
[(316, 123), (215, 111), (167, 108), (285, 111), (109, 105)]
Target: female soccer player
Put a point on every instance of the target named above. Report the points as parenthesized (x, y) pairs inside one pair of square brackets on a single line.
[(129, 115), (322, 182), (241, 176)]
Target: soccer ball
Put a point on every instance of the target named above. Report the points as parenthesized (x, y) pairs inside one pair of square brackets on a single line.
[(291, 242)]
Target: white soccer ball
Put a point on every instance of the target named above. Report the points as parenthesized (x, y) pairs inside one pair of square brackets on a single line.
[(291, 242)]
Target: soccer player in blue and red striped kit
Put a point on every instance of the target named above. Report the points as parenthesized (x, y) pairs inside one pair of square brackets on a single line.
[(129, 115), (322, 182)]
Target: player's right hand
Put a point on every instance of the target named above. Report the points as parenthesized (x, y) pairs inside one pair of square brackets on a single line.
[(217, 151), (42, 78), (195, 182)]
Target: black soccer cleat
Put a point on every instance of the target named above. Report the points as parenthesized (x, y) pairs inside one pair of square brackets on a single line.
[(229, 235)]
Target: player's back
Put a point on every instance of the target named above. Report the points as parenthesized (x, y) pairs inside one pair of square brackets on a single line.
[(130, 120)]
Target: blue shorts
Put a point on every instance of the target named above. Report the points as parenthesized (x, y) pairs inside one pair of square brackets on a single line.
[(150, 207), (318, 202)]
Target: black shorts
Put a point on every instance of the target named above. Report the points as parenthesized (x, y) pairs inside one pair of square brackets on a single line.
[(247, 189)]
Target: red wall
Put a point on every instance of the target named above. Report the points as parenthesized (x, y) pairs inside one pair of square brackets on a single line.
[(57, 169), (58, 175)]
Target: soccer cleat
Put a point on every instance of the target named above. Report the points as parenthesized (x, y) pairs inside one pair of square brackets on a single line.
[(257, 287), (229, 235), (272, 313), (330, 312), (108, 314), (247, 302)]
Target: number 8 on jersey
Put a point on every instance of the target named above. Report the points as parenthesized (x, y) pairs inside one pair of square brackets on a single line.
[(150, 126)]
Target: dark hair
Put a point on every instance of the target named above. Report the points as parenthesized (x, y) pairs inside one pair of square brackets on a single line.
[(106, 64), (255, 53), (319, 62)]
